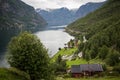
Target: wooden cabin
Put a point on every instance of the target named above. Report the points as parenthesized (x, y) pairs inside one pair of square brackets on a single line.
[(86, 70), (76, 71)]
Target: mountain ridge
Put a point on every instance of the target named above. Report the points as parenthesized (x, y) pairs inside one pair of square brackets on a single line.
[(60, 16), (65, 16), (16, 14), (87, 8)]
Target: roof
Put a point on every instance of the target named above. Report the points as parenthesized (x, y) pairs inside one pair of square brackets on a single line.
[(91, 67), (75, 69), (86, 67)]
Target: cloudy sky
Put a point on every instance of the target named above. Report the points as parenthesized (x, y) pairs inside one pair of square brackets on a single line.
[(52, 4)]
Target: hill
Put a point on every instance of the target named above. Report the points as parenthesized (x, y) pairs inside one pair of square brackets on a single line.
[(13, 74), (102, 30), (16, 14)]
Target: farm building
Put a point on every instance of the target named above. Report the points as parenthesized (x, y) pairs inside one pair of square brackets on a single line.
[(86, 70)]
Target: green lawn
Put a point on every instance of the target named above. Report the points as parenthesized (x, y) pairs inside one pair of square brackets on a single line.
[(83, 61), (102, 78), (63, 52), (76, 62)]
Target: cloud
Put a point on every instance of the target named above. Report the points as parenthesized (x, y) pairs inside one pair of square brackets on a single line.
[(58, 3)]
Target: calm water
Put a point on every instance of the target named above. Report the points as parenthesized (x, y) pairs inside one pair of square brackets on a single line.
[(5, 36), (53, 37)]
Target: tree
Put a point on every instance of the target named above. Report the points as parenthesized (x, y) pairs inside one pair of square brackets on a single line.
[(103, 51), (60, 66), (27, 53), (81, 46), (71, 43), (113, 57), (87, 55)]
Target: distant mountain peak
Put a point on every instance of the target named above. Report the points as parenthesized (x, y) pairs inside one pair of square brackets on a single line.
[(63, 15), (87, 8)]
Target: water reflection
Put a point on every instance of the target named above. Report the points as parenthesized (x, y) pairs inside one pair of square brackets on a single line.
[(54, 37)]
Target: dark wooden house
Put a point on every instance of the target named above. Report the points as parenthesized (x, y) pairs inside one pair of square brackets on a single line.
[(86, 70), (76, 71)]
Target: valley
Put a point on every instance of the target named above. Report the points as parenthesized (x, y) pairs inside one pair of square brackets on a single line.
[(60, 44)]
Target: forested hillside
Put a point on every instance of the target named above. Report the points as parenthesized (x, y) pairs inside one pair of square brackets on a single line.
[(102, 30), (16, 14)]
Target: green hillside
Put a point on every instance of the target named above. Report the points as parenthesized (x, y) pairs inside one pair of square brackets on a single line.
[(13, 74), (102, 30), (98, 20), (63, 52)]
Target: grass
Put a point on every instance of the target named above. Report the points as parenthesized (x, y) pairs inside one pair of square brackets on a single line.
[(76, 62), (63, 52), (91, 78), (83, 61), (13, 74)]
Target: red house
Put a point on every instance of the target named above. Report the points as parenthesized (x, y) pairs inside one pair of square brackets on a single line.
[(86, 70)]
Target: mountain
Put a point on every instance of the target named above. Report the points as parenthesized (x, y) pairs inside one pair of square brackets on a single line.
[(16, 14), (87, 8), (61, 16), (64, 16), (102, 30)]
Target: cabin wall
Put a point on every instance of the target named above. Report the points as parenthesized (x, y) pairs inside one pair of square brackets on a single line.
[(77, 75)]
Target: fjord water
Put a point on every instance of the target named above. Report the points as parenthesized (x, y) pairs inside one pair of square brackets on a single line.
[(53, 37), (5, 36)]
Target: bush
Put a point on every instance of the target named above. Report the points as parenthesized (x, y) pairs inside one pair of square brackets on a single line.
[(104, 67), (113, 73), (113, 58), (20, 73), (117, 69), (66, 76)]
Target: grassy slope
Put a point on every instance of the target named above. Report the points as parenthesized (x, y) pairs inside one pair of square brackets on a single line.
[(83, 61), (12, 74), (63, 52), (77, 61)]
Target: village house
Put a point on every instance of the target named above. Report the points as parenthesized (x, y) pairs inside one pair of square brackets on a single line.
[(86, 70)]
